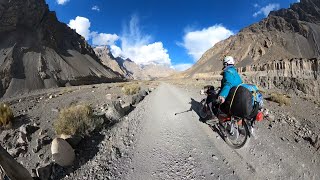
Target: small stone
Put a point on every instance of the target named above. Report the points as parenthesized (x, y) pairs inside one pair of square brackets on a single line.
[(40, 156), (22, 139), (55, 110), (270, 117), (51, 96), (23, 129), (215, 157)]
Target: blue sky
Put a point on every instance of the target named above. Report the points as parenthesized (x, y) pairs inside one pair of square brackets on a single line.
[(174, 32)]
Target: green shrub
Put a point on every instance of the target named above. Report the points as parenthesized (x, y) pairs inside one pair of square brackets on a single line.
[(131, 89), (74, 120), (6, 115), (282, 99)]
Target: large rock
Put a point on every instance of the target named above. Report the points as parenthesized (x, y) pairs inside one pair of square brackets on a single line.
[(37, 51), (139, 97), (62, 152), (115, 111), (11, 168)]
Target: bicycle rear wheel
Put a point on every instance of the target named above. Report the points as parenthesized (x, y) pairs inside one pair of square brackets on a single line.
[(239, 137)]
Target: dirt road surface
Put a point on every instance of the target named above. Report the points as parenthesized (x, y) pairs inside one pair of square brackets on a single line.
[(179, 146)]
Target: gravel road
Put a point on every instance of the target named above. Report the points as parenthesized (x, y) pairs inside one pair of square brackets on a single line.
[(179, 146), (153, 142)]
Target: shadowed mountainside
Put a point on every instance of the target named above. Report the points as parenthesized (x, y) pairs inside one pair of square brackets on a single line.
[(37, 51)]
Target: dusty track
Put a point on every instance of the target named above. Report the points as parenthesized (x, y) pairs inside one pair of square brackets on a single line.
[(179, 146)]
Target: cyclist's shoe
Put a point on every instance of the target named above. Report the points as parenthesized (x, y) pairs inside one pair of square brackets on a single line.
[(252, 132)]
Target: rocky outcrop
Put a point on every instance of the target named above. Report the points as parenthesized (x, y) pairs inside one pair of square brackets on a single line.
[(284, 34), (108, 60), (300, 76), (37, 51), (130, 69)]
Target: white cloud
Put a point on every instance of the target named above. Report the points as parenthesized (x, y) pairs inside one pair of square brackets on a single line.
[(115, 50), (146, 54), (182, 67), (135, 45), (102, 39), (81, 25), (267, 9), (198, 42), (95, 8), (139, 47), (256, 5), (62, 2)]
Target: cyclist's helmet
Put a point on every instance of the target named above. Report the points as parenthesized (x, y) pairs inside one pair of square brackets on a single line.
[(228, 60)]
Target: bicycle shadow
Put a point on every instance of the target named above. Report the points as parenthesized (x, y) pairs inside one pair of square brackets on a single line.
[(196, 107)]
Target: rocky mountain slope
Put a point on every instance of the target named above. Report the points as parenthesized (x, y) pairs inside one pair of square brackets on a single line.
[(37, 51), (130, 69), (284, 34)]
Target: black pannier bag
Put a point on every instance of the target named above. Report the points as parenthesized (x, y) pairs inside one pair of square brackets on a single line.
[(238, 102)]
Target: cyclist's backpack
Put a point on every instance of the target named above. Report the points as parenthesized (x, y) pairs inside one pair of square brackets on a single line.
[(238, 102)]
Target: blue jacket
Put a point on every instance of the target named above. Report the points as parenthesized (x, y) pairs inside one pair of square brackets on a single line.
[(230, 79)]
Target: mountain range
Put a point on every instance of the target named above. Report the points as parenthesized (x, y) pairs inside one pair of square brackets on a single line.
[(284, 34), (130, 69)]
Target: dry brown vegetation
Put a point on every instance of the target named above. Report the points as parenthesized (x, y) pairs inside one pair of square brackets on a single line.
[(74, 120), (6, 115), (131, 89), (282, 99)]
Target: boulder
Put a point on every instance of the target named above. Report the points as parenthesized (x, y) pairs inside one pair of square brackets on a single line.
[(62, 152), (143, 93), (115, 111), (11, 167)]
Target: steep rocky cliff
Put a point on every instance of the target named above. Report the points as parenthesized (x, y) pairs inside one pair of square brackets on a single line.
[(284, 34), (37, 51), (297, 75)]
